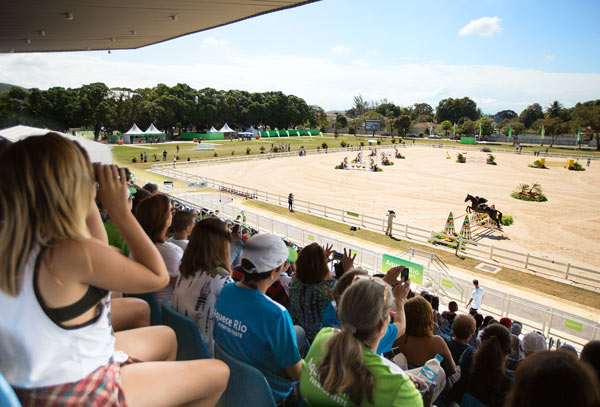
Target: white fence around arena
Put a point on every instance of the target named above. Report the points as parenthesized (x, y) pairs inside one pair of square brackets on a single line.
[(552, 322), (539, 265)]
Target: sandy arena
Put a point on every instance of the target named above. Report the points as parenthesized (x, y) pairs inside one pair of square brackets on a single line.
[(425, 187)]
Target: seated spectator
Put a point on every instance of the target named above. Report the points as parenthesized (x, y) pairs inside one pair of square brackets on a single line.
[(236, 245), (533, 342), (311, 290), (58, 272), (483, 372), (591, 354), (451, 313), (474, 341), (554, 379), (506, 322), (393, 331), (138, 197), (152, 188), (154, 215), (342, 368), (462, 327), (205, 270), (418, 344), (435, 305), (182, 225), (115, 238), (255, 329), (568, 348), (277, 291)]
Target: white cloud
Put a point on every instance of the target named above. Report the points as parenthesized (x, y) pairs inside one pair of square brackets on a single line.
[(212, 41), (550, 57), (322, 81), (340, 49), (361, 62), (484, 26)]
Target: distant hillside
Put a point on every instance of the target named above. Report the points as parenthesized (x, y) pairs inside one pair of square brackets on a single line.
[(5, 87)]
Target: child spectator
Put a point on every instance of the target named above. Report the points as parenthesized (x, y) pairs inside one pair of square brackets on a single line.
[(182, 225), (263, 334), (205, 270), (57, 346), (342, 368), (154, 215), (451, 313)]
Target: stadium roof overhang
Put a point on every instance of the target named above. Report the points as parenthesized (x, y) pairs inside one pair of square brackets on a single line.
[(76, 25)]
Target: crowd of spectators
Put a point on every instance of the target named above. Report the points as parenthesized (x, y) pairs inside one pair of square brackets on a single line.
[(322, 331)]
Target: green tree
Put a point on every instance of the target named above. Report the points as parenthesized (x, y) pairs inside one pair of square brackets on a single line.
[(529, 115), (587, 116), (454, 109), (517, 128), (467, 127), (487, 126), (402, 124), (341, 121), (446, 126), (421, 111)]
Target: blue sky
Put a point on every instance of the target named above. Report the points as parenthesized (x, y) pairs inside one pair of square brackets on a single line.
[(505, 54)]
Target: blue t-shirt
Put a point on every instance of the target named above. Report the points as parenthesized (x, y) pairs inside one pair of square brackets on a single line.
[(257, 330), (330, 319)]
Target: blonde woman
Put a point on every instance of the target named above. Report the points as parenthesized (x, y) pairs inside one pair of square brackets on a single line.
[(205, 270), (342, 368), (57, 347)]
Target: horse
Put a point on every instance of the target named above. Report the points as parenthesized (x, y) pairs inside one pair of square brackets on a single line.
[(494, 214)]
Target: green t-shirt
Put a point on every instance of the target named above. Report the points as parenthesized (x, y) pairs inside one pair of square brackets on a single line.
[(115, 238), (392, 385)]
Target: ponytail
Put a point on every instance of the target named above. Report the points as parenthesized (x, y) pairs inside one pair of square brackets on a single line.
[(342, 370), (363, 309)]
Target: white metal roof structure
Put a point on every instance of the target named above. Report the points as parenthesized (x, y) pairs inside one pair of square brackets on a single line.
[(153, 130), (98, 152), (226, 129), (75, 25), (134, 130)]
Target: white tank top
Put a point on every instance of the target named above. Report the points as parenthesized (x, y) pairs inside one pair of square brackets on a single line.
[(36, 352)]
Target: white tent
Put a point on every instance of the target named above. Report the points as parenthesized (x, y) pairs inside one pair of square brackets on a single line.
[(98, 152), (252, 130), (226, 129), (134, 131), (213, 130), (152, 130)]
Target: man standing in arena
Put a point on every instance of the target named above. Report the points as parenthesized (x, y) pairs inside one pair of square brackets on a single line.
[(390, 222), (291, 202), (476, 298)]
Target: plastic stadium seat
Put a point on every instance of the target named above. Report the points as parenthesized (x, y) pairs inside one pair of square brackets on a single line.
[(190, 344), (155, 311), (8, 398), (247, 385), (469, 401)]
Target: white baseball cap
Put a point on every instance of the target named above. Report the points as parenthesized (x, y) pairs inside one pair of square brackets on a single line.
[(264, 253)]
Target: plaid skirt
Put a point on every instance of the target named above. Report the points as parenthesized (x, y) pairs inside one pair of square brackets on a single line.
[(101, 388)]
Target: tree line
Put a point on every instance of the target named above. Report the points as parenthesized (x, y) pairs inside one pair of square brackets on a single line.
[(178, 108), (464, 117)]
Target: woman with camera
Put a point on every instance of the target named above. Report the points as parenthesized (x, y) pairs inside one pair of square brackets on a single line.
[(57, 346)]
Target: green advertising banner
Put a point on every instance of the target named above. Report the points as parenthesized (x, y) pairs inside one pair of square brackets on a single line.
[(356, 215), (447, 284), (468, 140), (416, 270), (576, 326), (311, 238)]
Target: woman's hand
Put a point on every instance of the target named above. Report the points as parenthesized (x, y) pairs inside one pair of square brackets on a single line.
[(328, 250), (348, 260), (112, 190)]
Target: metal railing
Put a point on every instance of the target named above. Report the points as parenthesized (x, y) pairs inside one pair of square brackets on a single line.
[(552, 322), (542, 266)]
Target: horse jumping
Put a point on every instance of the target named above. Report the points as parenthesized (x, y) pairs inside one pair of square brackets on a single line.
[(478, 205)]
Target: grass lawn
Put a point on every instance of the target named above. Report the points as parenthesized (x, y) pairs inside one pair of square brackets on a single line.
[(513, 277)]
